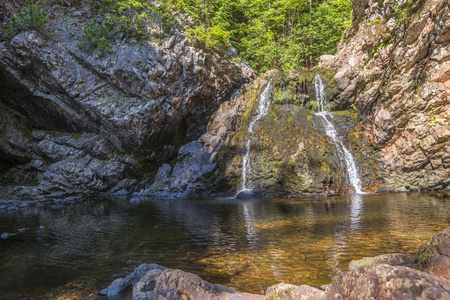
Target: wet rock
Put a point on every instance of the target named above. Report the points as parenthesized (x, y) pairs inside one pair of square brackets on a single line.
[(386, 282), (12, 208), (5, 235), (120, 284), (396, 259), (434, 257)]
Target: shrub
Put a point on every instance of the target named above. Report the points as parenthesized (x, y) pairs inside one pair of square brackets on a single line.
[(131, 18), (213, 37), (32, 17)]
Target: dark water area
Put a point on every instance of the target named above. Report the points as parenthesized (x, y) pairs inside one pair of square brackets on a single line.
[(248, 244)]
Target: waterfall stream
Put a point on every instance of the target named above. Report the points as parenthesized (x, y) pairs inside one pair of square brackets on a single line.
[(331, 131), (263, 108)]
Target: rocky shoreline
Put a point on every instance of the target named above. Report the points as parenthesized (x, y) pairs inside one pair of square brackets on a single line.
[(391, 276)]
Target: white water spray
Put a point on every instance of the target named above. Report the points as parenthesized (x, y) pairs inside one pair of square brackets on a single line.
[(263, 108), (330, 130)]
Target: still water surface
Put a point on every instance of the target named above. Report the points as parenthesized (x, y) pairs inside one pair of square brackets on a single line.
[(246, 244)]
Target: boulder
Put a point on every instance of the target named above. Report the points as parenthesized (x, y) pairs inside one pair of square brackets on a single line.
[(434, 257), (120, 284), (283, 291), (175, 284), (383, 281)]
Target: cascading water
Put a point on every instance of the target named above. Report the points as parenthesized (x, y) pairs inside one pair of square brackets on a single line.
[(330, 130), (263, 108)]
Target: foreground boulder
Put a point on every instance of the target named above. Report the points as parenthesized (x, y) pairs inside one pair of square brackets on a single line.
[(386, 282), (120, 284), (434, 257)]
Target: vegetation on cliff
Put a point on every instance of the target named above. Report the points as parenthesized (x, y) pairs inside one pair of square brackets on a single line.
[(281, 34)]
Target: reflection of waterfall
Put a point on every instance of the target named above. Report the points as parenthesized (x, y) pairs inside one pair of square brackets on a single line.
[(330, 130), (347, 233), (249, 218), (356, 209), (263, 108)]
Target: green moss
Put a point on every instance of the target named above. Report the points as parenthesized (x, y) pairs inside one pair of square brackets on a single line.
[(342, 113), (75, 135), (424, 255)]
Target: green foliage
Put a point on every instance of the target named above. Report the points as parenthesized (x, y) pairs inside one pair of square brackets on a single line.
[(32, 17), (282, 34), (376, 21), (433, 120), (129, 18), (213, 37)]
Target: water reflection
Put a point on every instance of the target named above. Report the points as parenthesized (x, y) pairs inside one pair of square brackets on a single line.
[(246, 244), (356, 208), (249, 218)]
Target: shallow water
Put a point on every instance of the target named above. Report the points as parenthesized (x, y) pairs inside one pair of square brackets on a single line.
[(246, 244)]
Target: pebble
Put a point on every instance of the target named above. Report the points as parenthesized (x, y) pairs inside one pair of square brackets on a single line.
[(41, 227), (4, 235)]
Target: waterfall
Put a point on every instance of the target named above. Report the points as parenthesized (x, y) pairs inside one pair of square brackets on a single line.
[(263, 108), (330, 131)]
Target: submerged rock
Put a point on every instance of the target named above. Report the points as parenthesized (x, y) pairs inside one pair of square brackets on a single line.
[(396, 259)]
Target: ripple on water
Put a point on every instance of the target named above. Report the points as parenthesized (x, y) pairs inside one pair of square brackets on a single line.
[(247, 244)]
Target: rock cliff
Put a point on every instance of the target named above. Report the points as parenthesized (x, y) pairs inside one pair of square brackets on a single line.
[(393, 65), (389, 90), (74, 121)]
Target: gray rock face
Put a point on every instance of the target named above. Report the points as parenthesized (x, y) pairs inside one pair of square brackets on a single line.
[(144, 100)]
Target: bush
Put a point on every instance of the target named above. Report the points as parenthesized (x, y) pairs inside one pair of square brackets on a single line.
[(131, 18), (213, 37), (32, 17)]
